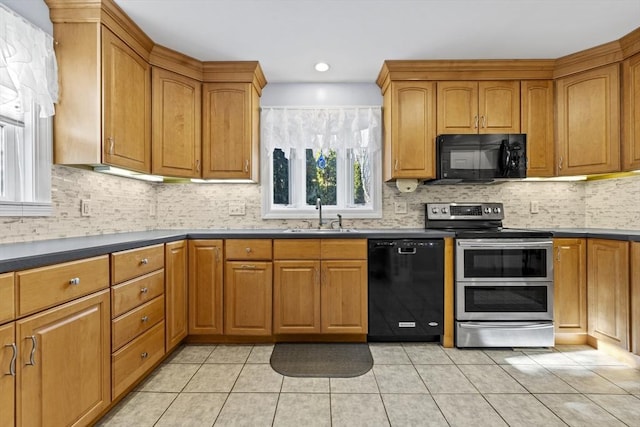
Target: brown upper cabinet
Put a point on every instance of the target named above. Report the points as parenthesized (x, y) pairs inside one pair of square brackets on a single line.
[(230, 131), (410, 130), (588, 121), (478, 107), (631, 111), (104, 113), (176, 119), (536, 121)]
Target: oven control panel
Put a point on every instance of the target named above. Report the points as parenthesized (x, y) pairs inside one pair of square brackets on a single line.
[(465, 211)]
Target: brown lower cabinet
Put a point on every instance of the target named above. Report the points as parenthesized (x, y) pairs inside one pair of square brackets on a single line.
[(608, 291), (72, 342), (634, 257), (570, 290), (248, 297), (176, 282), (320, 286), (8, 378), (205, 287)]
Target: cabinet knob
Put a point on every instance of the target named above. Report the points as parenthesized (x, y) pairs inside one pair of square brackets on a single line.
[(248, 250), (144, 355), (144, 290), (144, 261), (75, 281), (144, 319)]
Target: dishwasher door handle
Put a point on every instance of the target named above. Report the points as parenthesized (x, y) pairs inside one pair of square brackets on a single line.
[(406, 251)]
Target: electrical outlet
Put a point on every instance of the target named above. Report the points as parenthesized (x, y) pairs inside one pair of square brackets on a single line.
[(535, 207), (400, 207), (236, 208), (85, 207), (152, 209)]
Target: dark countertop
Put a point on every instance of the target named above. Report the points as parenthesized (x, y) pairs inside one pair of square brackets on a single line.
[(21, 256)]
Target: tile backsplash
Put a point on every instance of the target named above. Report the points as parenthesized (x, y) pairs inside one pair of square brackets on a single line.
[(121, 204)]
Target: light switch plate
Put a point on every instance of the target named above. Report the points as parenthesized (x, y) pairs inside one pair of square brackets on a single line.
[(236, 208), (535, 207), (400, 207)]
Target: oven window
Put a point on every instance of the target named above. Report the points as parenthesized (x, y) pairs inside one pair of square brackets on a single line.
[(505, 299), (505, 263)]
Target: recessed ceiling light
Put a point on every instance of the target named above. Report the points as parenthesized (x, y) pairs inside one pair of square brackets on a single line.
[(322, 67)]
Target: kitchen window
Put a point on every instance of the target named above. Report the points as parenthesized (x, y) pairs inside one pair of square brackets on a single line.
[(28, 90), (332, 154)]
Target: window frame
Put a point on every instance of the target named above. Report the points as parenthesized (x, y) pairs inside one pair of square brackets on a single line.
[(27, 173), (298, 209)]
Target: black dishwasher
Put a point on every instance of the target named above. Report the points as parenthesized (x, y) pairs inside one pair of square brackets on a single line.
[(406, 290)]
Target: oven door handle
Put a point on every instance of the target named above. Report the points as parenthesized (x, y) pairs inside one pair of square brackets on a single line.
[(505, 325), (503, 244)]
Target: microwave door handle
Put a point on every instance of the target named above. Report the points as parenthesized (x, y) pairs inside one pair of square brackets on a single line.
[(505, 158)]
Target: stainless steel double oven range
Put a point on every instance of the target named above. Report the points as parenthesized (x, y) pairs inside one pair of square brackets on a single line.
[(503, 277)]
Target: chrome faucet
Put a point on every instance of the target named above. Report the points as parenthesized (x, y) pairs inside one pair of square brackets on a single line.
[(319, 209)]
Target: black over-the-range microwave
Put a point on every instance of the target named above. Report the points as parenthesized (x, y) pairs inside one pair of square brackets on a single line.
[(480, 158)]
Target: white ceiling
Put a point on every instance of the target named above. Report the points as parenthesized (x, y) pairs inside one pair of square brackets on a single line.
[(355, 36)]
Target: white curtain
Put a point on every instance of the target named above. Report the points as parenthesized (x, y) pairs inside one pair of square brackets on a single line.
[(320, 129), (28, 69)]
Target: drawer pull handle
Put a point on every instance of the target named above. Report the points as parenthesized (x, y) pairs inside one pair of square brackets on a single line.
[(144, 355), (34, 345), (144, 319), (144, 261), (75, 281), (144, 290), (12, 364), (247, 266)]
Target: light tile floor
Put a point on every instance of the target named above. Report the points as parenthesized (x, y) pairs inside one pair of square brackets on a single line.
[(409, 385)]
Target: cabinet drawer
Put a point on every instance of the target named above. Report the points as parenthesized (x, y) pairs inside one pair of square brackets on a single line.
[(126, 265), (44, 287), (7, 298), (243, 249), (134, 359), (343, 249), (131, 294), (296, 249), (135, 322)]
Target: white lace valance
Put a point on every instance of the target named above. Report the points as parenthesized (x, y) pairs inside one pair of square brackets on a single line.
[(28, 69), (320, 128)]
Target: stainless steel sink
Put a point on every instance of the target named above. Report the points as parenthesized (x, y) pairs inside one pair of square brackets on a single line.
[(320, 231)]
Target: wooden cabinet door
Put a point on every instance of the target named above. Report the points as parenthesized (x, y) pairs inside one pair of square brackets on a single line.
[(205, 287), (499, 106), (634, 259), (537, 123), (229, 131), (457, 107), (608, 290), (631, 111), (8, 362), (176, 284), (7, 297), (176, 123), (64, 364), (570, 290), (296, 297), (248, 298), (126, 105), (344, 297), (411, 153), (588, 107)]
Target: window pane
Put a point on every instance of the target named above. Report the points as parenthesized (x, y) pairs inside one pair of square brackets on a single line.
[(280, 178), (322, 176)]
